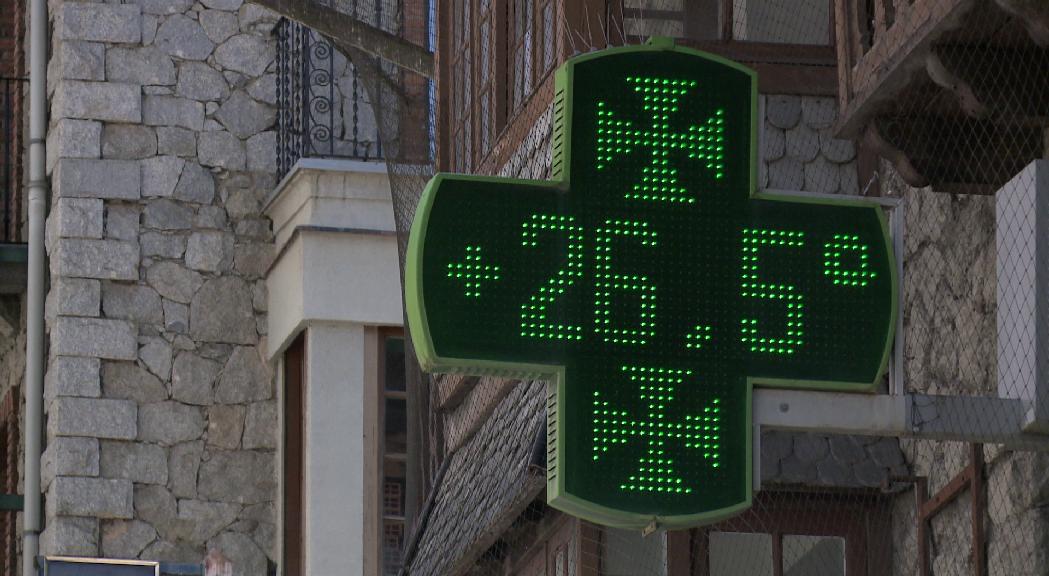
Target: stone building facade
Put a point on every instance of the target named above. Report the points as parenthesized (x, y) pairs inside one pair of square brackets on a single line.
[(161, 412), (161, 392)]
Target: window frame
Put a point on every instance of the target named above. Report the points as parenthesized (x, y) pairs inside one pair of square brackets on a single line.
[(293, 406), (506, 121), (807, 70), (850, 514), (802, 69), (553, 542), (375, 420)]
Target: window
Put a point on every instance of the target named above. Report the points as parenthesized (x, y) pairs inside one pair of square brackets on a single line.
[(556, 555), (499, 52), (629, 552), (786, 533), (790, 43), (9, 443), (748, 554), (799, 22), (394, 448), (294, 447), (779, 22), (461, 102), (532, 47)]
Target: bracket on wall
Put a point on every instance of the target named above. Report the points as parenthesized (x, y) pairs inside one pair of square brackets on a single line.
[(970, 478)]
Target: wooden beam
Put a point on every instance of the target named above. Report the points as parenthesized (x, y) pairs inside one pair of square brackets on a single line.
[(452, 389), (962, 91), (884, 70), (873, 140), (346, 29)]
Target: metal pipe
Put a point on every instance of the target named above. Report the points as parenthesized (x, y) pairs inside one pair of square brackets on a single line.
[(5, 180), (34, 385)]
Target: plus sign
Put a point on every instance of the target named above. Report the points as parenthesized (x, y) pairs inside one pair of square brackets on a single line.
[(651, 284)]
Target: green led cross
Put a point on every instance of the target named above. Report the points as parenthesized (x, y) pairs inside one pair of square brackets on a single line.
[(651, 284), (659, 180), (699, 432)]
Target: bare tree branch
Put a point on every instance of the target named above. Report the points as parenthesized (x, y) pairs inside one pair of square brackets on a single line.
[(347, 30)]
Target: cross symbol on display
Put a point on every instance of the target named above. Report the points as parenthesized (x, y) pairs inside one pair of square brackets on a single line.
[(655, 471), (651, 285), (660, 98)]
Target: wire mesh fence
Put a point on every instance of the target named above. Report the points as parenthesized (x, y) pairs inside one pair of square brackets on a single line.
[(938, 103)]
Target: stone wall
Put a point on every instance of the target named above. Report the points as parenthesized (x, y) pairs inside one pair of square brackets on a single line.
[(12, 380), (161, 412), (949, 303)]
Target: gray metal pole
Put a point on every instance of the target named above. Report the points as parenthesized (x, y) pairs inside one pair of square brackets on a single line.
[(34, 385)]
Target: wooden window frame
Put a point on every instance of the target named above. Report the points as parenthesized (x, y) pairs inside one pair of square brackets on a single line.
[(505, 121), (852, 515), (10, 441), (782, 69), (455, 82), (293, 449), (802, 69), (552, 541), (375, 449), (533, 42)]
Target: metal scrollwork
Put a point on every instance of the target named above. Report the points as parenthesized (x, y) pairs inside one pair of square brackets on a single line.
[(311, 106)]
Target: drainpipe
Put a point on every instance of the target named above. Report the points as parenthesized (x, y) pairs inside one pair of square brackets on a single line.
[(34, 386)]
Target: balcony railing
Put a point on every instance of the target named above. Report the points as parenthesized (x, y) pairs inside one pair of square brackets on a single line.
[(323, 110), (10, 158)]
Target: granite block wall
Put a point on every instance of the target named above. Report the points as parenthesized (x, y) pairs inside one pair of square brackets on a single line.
[(161, 415)]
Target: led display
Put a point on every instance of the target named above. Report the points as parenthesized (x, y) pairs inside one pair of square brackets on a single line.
[(651, 284)]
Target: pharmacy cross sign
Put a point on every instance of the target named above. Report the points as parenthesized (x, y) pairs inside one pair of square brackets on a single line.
[(651, 284)]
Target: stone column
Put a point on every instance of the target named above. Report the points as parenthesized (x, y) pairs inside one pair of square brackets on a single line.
[(161, 411)]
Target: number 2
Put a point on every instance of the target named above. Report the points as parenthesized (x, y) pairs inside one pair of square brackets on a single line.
[(534, 320)]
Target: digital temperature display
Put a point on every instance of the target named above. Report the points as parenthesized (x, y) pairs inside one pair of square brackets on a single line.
[(651, 284)]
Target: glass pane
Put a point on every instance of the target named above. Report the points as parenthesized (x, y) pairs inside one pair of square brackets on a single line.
[(740, 554), (484, 47), (394, 364), (654, 4), (529, 50), (486, 125), (548, 35), (393, 497), (392, 543), (458, 17), (396, 417), (813, 556), (518, 76), (628, 553), (655, 27), (782, 21)]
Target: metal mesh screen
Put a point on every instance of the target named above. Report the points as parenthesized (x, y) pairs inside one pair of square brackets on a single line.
[(940, 104)]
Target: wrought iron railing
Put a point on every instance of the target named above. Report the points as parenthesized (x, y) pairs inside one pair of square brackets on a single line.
[(323, 110), (10, 158)]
